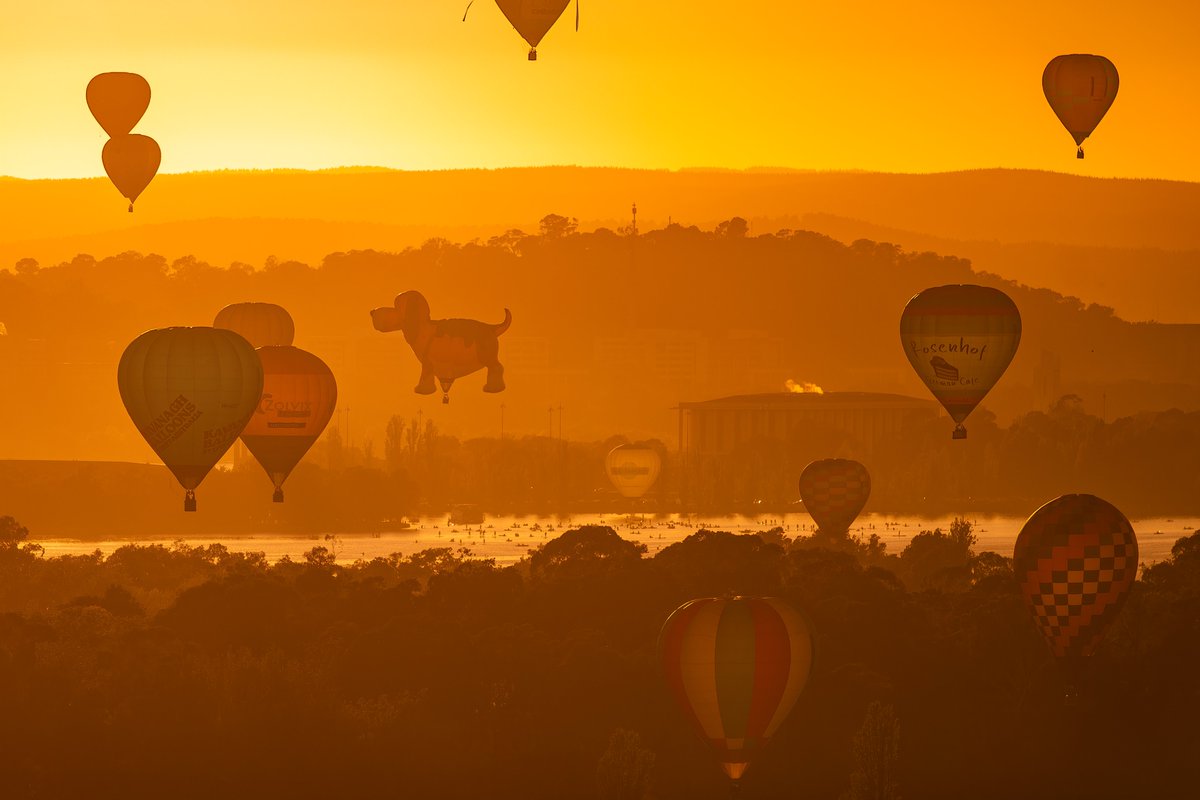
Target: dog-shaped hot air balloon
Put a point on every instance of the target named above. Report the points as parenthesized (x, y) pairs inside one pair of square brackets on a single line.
[(448, 349)]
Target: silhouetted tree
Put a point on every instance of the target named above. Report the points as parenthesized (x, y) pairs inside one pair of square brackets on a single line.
[(624, 770)]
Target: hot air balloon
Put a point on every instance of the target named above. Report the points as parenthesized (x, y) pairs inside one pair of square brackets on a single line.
[(131, 161), (260, 324), (834, 491), (736, 668), (190, 392), (298, 398), (448, 349), (1075, 560), (118, 100), (960, 339), (632, 469), (1080, 88), (532, 18)]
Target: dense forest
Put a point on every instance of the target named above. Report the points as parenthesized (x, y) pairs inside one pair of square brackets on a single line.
[(201, 672)]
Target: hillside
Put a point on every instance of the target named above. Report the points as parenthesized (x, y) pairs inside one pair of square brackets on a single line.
[(1108, 241), (610, 333)]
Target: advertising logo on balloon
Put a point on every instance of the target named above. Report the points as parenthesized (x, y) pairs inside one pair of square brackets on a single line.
[(168, 426)]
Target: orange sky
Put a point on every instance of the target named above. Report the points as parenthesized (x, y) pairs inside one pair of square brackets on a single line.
[(645, 83)]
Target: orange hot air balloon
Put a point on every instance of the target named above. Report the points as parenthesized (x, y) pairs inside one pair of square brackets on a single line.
[(298, 398), (448, 349), (834, 491), (190, 392), (632, 469), (736, 668), (1080, 88), (118, 100), (131, 161), (534, 18), (1075, 561), (260, 324), (960, 339)]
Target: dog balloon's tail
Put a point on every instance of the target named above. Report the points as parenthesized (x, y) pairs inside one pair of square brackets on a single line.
[(503, 326)]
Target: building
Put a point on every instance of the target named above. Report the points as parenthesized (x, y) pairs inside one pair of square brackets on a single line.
[(723, 442)]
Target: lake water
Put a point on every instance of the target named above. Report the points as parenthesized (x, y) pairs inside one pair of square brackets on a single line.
[(509, 539)]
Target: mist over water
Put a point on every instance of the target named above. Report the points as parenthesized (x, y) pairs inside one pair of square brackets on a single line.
[(508, 539)]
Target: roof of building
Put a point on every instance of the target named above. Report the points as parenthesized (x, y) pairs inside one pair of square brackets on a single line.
[(783, 400)]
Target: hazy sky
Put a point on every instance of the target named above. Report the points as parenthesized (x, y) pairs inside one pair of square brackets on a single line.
[(645, 83)]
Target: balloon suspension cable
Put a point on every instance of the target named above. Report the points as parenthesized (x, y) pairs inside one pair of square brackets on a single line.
[(959, 432), (468, 9), (278, 496), (189, 500), (1079, 153)]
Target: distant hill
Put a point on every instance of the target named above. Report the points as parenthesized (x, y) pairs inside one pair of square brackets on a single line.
[(609, 333), (1090, 234)]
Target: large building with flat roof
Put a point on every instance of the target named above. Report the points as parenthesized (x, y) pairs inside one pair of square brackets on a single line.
[(715, 435)]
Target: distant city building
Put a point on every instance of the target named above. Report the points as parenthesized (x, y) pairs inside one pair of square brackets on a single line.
[(712, 432)]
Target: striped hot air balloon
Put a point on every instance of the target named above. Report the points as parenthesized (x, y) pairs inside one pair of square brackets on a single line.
[(960, 340), (834, 491), (736, 667), (1075, 561)]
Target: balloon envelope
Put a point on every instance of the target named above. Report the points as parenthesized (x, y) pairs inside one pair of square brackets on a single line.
[(298, 398), (261, 324), (736, 668), (834, 491), (190, 392), (533, 18), (1075, 560), (118, 100), (131, 162), (960, 339), (632, 470), (1080, 88)]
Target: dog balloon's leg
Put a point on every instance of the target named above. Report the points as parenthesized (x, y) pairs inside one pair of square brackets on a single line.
[(425, 384), (495, 378)]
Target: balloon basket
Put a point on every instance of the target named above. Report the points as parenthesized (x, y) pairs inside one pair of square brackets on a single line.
[(533, 57), (278, 496), (1079, 153), (189, 501), (131, 204), (445, 399), (959, 432)]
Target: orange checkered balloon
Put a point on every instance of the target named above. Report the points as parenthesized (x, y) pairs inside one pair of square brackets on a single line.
[(1075, 560), (834, 491)]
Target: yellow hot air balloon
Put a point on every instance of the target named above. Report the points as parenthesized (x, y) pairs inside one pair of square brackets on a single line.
[(632, 469), (960, 339), (118, 100), (131, 162), (260, 324), (298, 398), (1080, 88), (534, 18), (190, 392)]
